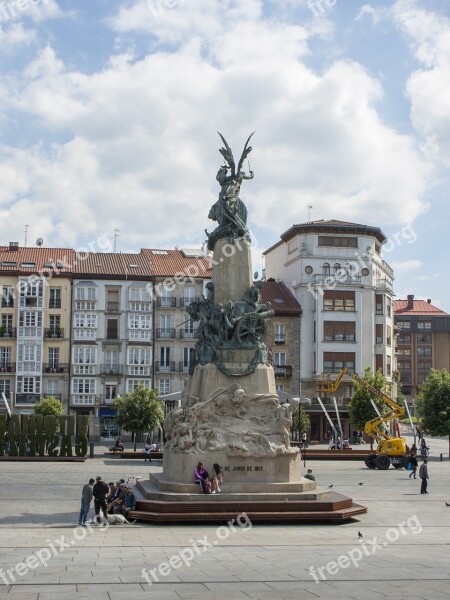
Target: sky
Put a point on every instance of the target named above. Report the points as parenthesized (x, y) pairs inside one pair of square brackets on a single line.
[(109, 113)]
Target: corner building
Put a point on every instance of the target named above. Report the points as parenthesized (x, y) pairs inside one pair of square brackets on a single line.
[(345, 289)]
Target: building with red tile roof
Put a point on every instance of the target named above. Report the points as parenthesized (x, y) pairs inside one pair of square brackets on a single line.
[(423, 341)]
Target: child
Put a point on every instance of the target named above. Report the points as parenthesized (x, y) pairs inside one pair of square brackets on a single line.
[(217, 478)]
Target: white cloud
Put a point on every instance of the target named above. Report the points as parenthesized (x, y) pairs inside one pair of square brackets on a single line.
[(404, 266), (14, 37), (141, 150)]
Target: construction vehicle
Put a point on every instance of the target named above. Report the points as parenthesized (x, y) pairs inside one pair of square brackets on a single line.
[(390, 450)]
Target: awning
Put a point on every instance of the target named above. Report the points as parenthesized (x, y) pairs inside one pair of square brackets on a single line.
[(107, 412)]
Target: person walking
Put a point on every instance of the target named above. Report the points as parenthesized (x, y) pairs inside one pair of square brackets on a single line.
[(423, 474), (86, 497), (414, 465), (100, 491)]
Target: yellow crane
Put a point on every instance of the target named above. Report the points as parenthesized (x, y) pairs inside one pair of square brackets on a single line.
[(390, 450)]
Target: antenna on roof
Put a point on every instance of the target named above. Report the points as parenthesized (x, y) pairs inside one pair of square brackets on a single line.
[(39, 242), (116, 235), (310, 207), (26, 235)]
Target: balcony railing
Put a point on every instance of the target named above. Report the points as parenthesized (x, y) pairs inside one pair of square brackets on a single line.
[(112, 306), (188, 335), (56, 368), (7, 332), (283, 371), (186, 301), (54, 333), (165, 367), (111, 370), (165, 334), (280, 339), (54, 303), (7, 367), (166, 302), (333, 279), (183, 367)]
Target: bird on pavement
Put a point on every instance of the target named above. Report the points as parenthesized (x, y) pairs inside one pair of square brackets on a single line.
[(330, 486), (360, 535), (360, 483), (447, 504)]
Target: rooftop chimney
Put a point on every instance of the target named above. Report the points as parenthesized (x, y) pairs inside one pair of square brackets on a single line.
[(410, 301), (429, 300), (13, 246)]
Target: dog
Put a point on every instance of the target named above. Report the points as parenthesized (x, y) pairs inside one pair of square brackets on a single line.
[(114, 519)]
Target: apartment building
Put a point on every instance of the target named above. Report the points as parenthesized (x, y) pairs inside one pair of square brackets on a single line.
[(35, 324), (283, 335), (112, 334), (423, 342), (180, 276), (337, 274)]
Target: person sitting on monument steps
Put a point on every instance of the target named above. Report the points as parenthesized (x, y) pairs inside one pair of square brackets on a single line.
[(201, 476), (217, 478)]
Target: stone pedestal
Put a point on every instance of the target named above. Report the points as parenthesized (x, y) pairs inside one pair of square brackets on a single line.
[(232, 272)]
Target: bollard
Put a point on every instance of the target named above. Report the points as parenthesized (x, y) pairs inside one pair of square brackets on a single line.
[(91, 450)]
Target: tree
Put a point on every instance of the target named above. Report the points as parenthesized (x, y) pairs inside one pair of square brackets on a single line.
[(48, 406), (360, 408), (300, 421), (139, 411), (434, 403)]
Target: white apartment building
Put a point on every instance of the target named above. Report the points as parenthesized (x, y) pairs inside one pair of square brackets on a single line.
[(345, 289)]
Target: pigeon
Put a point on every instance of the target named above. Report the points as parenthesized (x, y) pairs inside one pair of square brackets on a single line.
[(360, 535), (447, 504), (360, 483), (330, 486)]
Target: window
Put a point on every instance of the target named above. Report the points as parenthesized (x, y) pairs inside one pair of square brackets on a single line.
[(164, 359), (138, 356), (7, 321), (424, 338), (333, 362), (337, 268), (279, 359), (52, 387), (338, 242), (280, 387), (166, 297), (188, 358), (83, 386), (133, 384), (7, 297), (388, 306), (53, 357), (404, 324), (404, 352), (404, 365), (54, 322), (424, 351), (5, 387), (140, 294), (88, 320), (5, 357), (139, 322), (280, 334), (164, 387), (28, 385), (424, 365), (110, 393), (339, 331), (30, 319), (378, 334), (84, 360), (379, 363), (31, 354), (54, 300), (86, 293), (111, 358), (189, 331), (404, 338), (388, 335), (112, 299), (112, 329), (424, 325), (388, 365), (292, 245), (326, 269), (335, 300), (379, 304)]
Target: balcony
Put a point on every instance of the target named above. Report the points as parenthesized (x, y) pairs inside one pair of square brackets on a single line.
[(82, 400), (165, 367), (54, 303), (112, 334), (188, 335), (111, 370), (106, 400), (54, 333), (283, 371), (183, 367), (7, 332), (56, 368), (27, 399), (334, 279), (166, 302), (7, 367), (112, 307), (166, 334), (280, 339), (186, 301)]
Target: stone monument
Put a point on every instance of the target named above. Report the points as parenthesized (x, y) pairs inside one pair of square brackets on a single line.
[(230, 412)]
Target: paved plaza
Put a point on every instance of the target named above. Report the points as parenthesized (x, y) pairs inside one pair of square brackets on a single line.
[(410, 557)]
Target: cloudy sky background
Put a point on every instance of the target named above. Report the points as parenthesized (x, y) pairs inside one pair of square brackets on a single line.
[(109, 112)]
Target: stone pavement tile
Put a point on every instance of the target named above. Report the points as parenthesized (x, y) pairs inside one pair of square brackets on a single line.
[(73, 596), (158, 593), (21, 595)]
